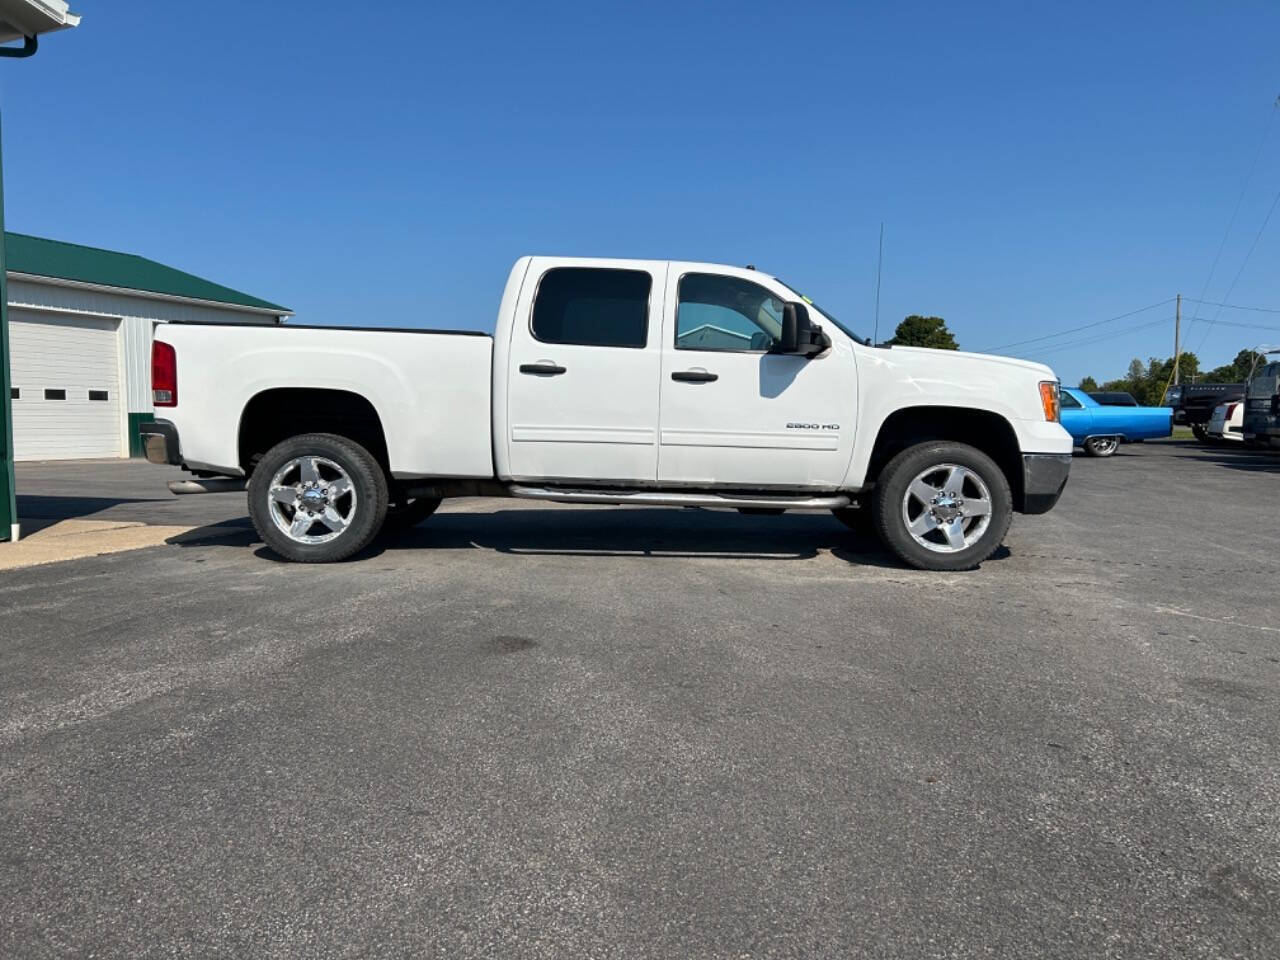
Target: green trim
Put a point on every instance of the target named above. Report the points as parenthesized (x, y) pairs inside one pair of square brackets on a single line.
[(107, 268), (136, 420)]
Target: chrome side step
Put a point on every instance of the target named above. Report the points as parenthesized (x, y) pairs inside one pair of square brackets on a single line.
[(666, 498)]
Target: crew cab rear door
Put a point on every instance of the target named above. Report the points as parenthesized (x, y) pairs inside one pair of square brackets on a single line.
[(583, 366), (734, 414)]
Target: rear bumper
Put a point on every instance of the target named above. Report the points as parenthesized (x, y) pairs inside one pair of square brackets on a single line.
[(160, 442), (1044, 475)]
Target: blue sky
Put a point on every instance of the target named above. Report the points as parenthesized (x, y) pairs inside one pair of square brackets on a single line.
[(1038, 166)]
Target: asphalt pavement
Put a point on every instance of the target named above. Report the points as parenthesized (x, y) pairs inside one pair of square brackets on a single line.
[(533, 731)]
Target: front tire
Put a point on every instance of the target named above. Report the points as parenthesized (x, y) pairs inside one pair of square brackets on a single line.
[(317, 498), (942, 506), (858, 519), (1101, 446)]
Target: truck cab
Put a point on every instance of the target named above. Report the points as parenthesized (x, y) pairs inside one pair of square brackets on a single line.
[(1193, 403), (1261, 426)]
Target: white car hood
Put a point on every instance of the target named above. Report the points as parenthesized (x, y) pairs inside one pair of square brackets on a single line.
[(930, 359)]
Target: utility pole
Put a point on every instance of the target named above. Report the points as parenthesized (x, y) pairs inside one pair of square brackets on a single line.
[(1177, 337)]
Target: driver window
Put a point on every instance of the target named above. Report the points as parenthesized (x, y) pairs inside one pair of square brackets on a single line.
[(716, 312)]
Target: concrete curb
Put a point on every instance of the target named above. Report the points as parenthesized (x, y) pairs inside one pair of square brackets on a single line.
[(73, 539)]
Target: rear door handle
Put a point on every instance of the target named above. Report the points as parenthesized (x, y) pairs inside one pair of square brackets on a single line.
[(542, 369), (694, 376)]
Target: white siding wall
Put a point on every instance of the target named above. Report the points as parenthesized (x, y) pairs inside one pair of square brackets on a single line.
[(138, 316)]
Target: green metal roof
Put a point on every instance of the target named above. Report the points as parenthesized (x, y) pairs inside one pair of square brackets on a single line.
[(71, 261)]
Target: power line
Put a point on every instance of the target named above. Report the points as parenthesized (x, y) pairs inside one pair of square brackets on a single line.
[(1266, 133), (1253, 246), (1232, 306), (1085, 341), (1085, 326), (1243, 326)]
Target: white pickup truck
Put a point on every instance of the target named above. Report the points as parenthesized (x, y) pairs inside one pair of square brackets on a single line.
[(618, 382)]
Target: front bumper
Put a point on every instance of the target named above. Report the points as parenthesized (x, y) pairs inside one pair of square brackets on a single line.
[(1044, 475), (160, 442)]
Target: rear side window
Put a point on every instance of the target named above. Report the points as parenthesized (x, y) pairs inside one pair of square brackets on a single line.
[(593, 307), (1069, 402)]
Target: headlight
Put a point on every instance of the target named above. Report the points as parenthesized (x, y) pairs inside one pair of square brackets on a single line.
[(1049, 400)]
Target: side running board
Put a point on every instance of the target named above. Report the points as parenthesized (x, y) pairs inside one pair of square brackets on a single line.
[(665, 498)]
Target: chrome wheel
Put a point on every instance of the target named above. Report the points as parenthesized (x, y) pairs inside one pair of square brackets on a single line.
[(947, 508), (312, 500), (1103, 446)]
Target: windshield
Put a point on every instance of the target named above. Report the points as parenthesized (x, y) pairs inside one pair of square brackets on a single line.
[(826, 313)]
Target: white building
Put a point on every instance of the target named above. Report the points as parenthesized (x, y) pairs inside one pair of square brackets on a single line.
[(80, 326)]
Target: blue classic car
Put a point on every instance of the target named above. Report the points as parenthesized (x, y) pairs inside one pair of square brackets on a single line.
[(1100, 429)]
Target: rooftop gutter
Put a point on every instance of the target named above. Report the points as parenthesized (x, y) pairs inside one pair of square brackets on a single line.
[(148, 294)]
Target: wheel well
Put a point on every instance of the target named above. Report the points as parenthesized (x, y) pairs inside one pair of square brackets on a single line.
[(988, 432), (275, 415)]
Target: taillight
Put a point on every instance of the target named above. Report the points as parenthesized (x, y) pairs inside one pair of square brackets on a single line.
[(1049, 400), (164, 375), (1231, 410)]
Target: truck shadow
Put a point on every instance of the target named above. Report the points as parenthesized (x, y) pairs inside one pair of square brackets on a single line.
[(608, 532), (1235, 456), (1245, 460), (619, 532)]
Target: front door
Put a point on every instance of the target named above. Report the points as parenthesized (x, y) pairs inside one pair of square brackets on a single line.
[(732, 414), (582, 400)]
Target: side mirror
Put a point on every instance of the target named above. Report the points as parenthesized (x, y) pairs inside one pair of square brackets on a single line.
[(799, 334)]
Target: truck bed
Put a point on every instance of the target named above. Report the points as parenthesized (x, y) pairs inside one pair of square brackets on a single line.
[(431, 390)]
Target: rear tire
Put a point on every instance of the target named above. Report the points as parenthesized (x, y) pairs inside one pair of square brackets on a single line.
[(942, 506), (403, 514), (317, 498), (1199, 432), (1101, 446)]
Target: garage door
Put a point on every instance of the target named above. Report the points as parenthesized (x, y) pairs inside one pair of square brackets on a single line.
[(65, 373)]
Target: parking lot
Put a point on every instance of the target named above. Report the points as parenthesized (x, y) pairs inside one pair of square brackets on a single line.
[(535, 731)]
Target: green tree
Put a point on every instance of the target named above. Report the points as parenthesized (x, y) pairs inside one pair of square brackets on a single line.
[(1160, 374), (918, 331), (1238, 370), (1088, 384), (1147, 382)]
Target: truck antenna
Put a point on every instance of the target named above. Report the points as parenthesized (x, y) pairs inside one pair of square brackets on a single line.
[(875, 333)]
